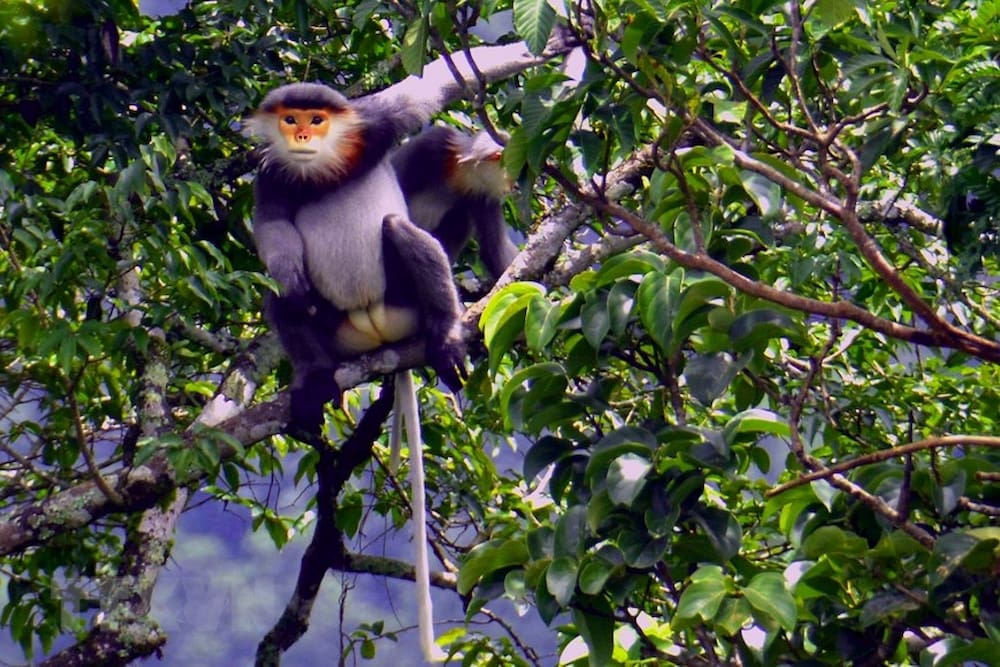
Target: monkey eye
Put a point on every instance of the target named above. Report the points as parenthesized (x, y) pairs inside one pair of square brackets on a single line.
[(318, 120), (289, 120)]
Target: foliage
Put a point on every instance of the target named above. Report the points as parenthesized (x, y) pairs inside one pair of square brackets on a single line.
[(750, 352)]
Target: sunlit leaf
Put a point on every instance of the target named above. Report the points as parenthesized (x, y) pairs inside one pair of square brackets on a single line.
[(534, 20), (561, 579), (767, 593)]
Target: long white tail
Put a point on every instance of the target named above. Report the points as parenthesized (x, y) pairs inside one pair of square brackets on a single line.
[(407, 411)]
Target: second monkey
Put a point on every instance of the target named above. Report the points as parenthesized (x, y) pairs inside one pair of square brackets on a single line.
[(455, 185)]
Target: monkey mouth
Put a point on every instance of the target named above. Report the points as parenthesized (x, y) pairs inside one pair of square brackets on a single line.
[(302, 154)]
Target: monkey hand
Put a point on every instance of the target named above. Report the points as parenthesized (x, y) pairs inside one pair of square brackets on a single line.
[(291, 274), (294, 309), (447, 357)]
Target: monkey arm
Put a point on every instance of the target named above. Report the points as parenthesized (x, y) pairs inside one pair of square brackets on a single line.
[(409, 104), (280, 248), (495, 247), (279, 244)]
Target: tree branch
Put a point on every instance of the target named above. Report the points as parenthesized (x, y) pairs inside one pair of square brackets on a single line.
[(886, 454), (326, 549), (840, 310)]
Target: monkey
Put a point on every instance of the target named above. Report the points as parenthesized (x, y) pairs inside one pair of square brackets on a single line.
[(455, 185), (330, 168), (354, 274), (329, 227)]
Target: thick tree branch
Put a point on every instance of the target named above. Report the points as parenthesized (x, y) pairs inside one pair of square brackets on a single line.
[(546, 242), (123, 630), (326, 549)]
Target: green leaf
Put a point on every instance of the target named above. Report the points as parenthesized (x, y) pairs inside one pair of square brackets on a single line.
[(130, 179), (733, 614), (642, 550), (350, 511), (657, 298), (756, 420), (67, 354), (764, 192), (572, 532), (955, 651), (302, 19), (634, 263), (540, 373), (698, 294), (514, 585), (594, 575), (488, 558), (767, 593), (833, 540), (504, 318), (886, 606), (541, 322), (758, 326), (627, 477), (722, 529), (560, 579), (709, 375), (595, 320), (547, 450), (541, 542), (621, 301), (975, 550), (414, 47), (703, 596), (597, 630), (617, 443), (545, 602), (947, 494), (600, 509), (533, 20), (834, 12)]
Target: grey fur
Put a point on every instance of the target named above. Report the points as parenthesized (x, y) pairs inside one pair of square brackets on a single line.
[(454, 187)]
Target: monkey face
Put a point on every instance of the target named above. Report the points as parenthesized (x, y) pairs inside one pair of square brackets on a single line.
[(303, 130), (312, 143), (480, 176)]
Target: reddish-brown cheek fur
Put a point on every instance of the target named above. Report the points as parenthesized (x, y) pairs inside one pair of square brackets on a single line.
[(352, 143), (450, 168)]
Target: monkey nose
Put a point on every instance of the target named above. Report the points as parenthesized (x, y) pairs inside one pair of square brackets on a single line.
[(302, 137)]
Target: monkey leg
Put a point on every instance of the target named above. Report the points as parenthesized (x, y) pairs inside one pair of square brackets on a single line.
[(417, 271), (306, 337)]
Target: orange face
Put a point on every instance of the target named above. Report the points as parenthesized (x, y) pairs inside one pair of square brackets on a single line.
[(301, 127)]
